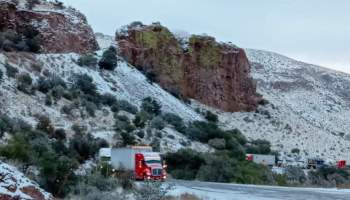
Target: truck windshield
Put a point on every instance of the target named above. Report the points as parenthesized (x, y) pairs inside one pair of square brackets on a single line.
[(153, 162)]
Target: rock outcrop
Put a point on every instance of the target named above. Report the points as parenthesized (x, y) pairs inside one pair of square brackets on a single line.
[(14, 185), (213, 73), (60, 29)]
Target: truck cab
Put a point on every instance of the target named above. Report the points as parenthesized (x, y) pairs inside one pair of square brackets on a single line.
[(149, 166)]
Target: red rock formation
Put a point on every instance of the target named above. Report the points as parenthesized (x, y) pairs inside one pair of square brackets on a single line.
[(213, 73), (61, 30)]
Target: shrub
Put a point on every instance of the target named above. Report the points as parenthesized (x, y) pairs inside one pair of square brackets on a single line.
[(84, 83), (141, 118), (10, 125), (128, 138), (45, 85), (157, 123), (45, 125), (281, 180), (238, 136), (87, 60), (24, 83), (151, 76), (152, 190), (67, 109), (122, 124), (90, 108), (84, 146), (184, 164), (79, 130), (48, 100), (259, 147), (211, 117), (10, 70), (235, 149), (109, 59), (57, 92), (1, 75), (37, 67), (209, 171), (126, 106), (204, 131), (17, 149), (295, 150), (60, 134), (108, 99), (151, 106), (155, 144), (217, 143), (141, 134), (174, 120), (101, 182), (56, 173), (25, 40), (32, 3), (33, 45)]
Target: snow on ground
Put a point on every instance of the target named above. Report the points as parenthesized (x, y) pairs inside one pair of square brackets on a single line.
[(12, 181), (124, 83), (309, 108)]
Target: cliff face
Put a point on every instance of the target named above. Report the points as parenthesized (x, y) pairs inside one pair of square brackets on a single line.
[(213, 73), (60, 29)]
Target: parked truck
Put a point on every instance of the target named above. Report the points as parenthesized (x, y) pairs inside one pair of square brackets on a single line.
[(267, 160), (141, 160), (315, 163), (341, 164)]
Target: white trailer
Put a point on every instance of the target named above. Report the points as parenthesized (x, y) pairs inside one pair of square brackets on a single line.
[(268, 160), (124, 158)]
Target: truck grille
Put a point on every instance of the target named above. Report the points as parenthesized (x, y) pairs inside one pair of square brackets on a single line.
[(156, 172)]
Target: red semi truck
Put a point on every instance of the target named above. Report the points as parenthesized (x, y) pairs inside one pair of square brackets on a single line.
[(341, 164), (146, 164)]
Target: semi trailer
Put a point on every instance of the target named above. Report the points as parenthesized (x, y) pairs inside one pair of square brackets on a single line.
[(267, 160), (141, 160)]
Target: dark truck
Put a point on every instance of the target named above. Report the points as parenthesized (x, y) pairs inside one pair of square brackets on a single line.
[(315, 163)]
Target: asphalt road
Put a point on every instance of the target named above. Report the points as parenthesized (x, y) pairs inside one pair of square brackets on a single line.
[(222, 191)]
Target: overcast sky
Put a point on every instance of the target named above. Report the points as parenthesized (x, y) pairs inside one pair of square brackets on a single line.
[(315, 31)]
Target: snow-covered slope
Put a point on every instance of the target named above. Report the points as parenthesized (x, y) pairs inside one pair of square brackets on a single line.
[(309, 107), (14, 185), (125, 83)]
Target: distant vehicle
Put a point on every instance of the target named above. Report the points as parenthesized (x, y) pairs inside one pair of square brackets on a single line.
[(315, 163), (267, 160), (341, 164), (278, 170), (145, 164)]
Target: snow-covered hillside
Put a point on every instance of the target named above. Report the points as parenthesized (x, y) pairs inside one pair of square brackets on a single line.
[(308, 105), (308, 109), (125, 83)]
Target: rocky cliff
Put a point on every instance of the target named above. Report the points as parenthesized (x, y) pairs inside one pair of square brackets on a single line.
[(200, 68), (59, 29)]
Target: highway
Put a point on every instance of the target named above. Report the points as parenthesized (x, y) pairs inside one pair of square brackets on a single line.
[(223, 191)]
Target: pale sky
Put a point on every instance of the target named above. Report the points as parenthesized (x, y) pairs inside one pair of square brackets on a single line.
[(314, 31)]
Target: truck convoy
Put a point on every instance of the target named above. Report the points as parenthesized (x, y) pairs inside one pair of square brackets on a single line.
[(145, 164)]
